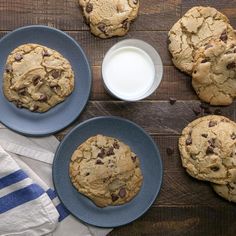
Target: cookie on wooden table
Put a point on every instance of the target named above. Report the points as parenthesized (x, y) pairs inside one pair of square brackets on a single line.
[(106, 170), (214, 71), (194, 29), (108, 18), (207, 147), (37, 77)]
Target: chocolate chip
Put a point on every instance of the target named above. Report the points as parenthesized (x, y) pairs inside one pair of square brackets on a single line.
[(87, 174), (45, 53), (22, 91), (99, 162), (89, 7), (212, 123), (116, 145), (172, 100), (36, 79), (122, 192), (169, 151), (102, 153), (204, 135), (214, 168), (208, 46), (188, 141), (217, 112), (210, 150), (212, 142), (34, 108), (19, 104), (235, 50), (233, 136), (102, 27), (133, 158), (43, 98), (135, 2), (110, 151), (8, 68), (55, 74), (204, 61), (195, 72), (231, 65), (224, 36), (114, 197), (18, 57), (197, 111), (126, 24)]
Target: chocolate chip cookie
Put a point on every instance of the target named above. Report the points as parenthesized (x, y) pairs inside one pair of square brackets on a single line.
[(227, 191), (214, 71), (194, 29), (105, 170), (108, 18), (37, 77), (208, 149)]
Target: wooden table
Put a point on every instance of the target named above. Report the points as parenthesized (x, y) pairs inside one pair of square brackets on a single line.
[(185, 206)]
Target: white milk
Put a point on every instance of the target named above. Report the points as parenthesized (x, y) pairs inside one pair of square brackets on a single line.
[(129, 73)]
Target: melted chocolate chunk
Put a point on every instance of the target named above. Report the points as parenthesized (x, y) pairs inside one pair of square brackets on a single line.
[(204, 135), (122, 192), (214, 168), (8, 68), (89, 7), (45, 53), (99, 162), (18, 57), (231, 65), (102, 27), (204, 61), (116, 145), (133, 158), (43, 98), (212, 123), (102, 153), (114, 197), (55, 74), (110, 151), (210, 150), (188, 141), (224, 36)]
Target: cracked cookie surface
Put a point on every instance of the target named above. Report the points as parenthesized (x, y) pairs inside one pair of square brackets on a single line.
[(37, 77), (227, 191), (214, 72), (106, 171), (194, 29), (208, 149), (108, 18)]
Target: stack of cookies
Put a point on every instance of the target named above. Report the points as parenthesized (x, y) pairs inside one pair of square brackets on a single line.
[(208, 152), (203, 44)]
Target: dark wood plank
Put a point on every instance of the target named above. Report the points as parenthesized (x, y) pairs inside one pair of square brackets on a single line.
[(226, 7), (182, 221), (66, 15), (156, 117)]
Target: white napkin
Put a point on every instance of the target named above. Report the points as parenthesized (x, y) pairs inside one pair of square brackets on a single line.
[(35, 157)]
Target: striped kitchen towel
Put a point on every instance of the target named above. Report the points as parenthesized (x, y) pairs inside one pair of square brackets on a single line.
[(25, 208), (35, 156)]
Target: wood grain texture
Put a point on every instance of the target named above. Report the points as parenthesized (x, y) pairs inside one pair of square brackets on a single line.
[(185, 206)]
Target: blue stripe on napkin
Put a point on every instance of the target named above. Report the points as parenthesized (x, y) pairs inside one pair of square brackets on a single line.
[(63, 212), (20, 197), (12, 178), (51, 193)]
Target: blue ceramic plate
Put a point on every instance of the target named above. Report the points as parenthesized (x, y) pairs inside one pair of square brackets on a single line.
[(57, 118), (151, 165)]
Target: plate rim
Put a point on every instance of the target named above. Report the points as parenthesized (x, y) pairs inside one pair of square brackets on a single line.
[(157, 192), (90, 75)]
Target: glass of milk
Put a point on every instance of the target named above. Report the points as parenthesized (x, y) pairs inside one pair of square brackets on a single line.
[(132, 70)]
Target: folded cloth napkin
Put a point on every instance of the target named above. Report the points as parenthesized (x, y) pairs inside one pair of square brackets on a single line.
[(34, 156), (25, 208)]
